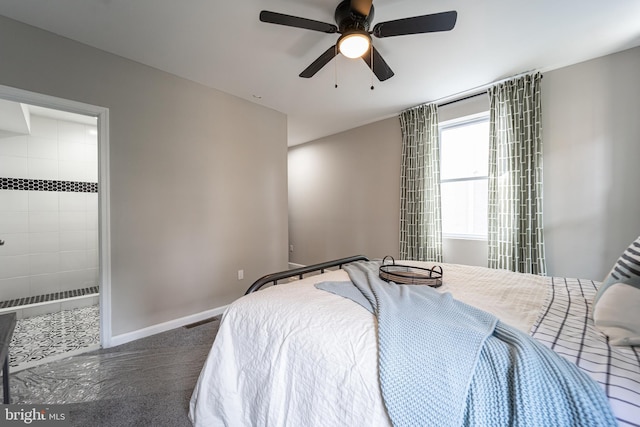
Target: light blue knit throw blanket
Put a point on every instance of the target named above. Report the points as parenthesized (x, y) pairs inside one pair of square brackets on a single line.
[(445, 363)]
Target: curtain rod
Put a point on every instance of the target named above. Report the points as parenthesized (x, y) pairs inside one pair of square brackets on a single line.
[(464, 98), (473, 92)]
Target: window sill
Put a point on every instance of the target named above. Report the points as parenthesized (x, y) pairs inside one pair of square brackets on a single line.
[(464, 237)]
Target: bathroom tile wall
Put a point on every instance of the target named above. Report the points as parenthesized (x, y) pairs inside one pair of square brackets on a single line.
[(48, 209)]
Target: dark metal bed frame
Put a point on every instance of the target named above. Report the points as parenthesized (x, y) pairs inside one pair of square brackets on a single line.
[(300, 272)]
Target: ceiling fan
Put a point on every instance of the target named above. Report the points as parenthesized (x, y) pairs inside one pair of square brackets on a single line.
[(354, 18)]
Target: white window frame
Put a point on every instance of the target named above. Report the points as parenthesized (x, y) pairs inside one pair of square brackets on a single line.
[(458, 122)]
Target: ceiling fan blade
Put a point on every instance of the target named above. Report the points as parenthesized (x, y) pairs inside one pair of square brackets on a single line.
[(297, 22), (317, 65), (380, 67), (363, 7), (443, 21)]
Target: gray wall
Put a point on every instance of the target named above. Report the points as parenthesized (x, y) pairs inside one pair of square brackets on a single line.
[(198, 177), (343, 194), (592, 151), (592, 148)]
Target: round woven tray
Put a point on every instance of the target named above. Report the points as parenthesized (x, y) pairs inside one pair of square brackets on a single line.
[(409, 275)]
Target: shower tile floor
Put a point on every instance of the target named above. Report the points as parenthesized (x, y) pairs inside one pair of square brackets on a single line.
[(45, 336)]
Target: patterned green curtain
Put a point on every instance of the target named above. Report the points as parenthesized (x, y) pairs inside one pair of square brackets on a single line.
[(516, 240), (420, 217)]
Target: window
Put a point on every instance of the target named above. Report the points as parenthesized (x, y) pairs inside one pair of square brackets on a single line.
[(464, 164)]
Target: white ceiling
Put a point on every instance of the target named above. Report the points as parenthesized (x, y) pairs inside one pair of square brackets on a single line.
[(15, 117), (222, 44)]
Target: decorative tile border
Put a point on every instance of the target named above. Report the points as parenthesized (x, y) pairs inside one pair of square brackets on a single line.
[(49, 297), (48, 185)]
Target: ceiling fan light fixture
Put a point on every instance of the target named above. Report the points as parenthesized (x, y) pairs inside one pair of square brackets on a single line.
[(353, 21), (354, 44)]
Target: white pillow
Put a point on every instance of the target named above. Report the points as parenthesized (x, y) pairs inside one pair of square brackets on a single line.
[(625, 270), (617, 314)]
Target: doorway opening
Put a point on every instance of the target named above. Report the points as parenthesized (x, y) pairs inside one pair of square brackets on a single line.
[(53, 225)]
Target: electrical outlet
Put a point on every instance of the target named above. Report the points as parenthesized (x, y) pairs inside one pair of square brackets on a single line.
[(290, 248), (240, 274)]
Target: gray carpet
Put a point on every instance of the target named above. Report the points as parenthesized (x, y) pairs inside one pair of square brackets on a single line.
[(147, 382)]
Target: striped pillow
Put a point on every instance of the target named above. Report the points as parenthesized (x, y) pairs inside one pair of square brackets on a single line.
[(626, 270)]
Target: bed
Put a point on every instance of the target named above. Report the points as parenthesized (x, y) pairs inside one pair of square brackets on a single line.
[(294, 354)]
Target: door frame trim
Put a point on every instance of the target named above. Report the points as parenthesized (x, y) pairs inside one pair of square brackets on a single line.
[(104, 192)]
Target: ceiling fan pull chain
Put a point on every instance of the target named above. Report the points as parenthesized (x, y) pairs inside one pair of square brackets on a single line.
[(335, 67), (371, 59)]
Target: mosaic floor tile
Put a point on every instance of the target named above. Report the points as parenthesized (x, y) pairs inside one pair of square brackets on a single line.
[(52, 334)]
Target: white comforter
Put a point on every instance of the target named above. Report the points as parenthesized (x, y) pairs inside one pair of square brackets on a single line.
[(295, 355)]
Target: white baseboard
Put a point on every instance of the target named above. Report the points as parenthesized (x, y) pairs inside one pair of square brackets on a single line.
[(293, 265), (163, 327)]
